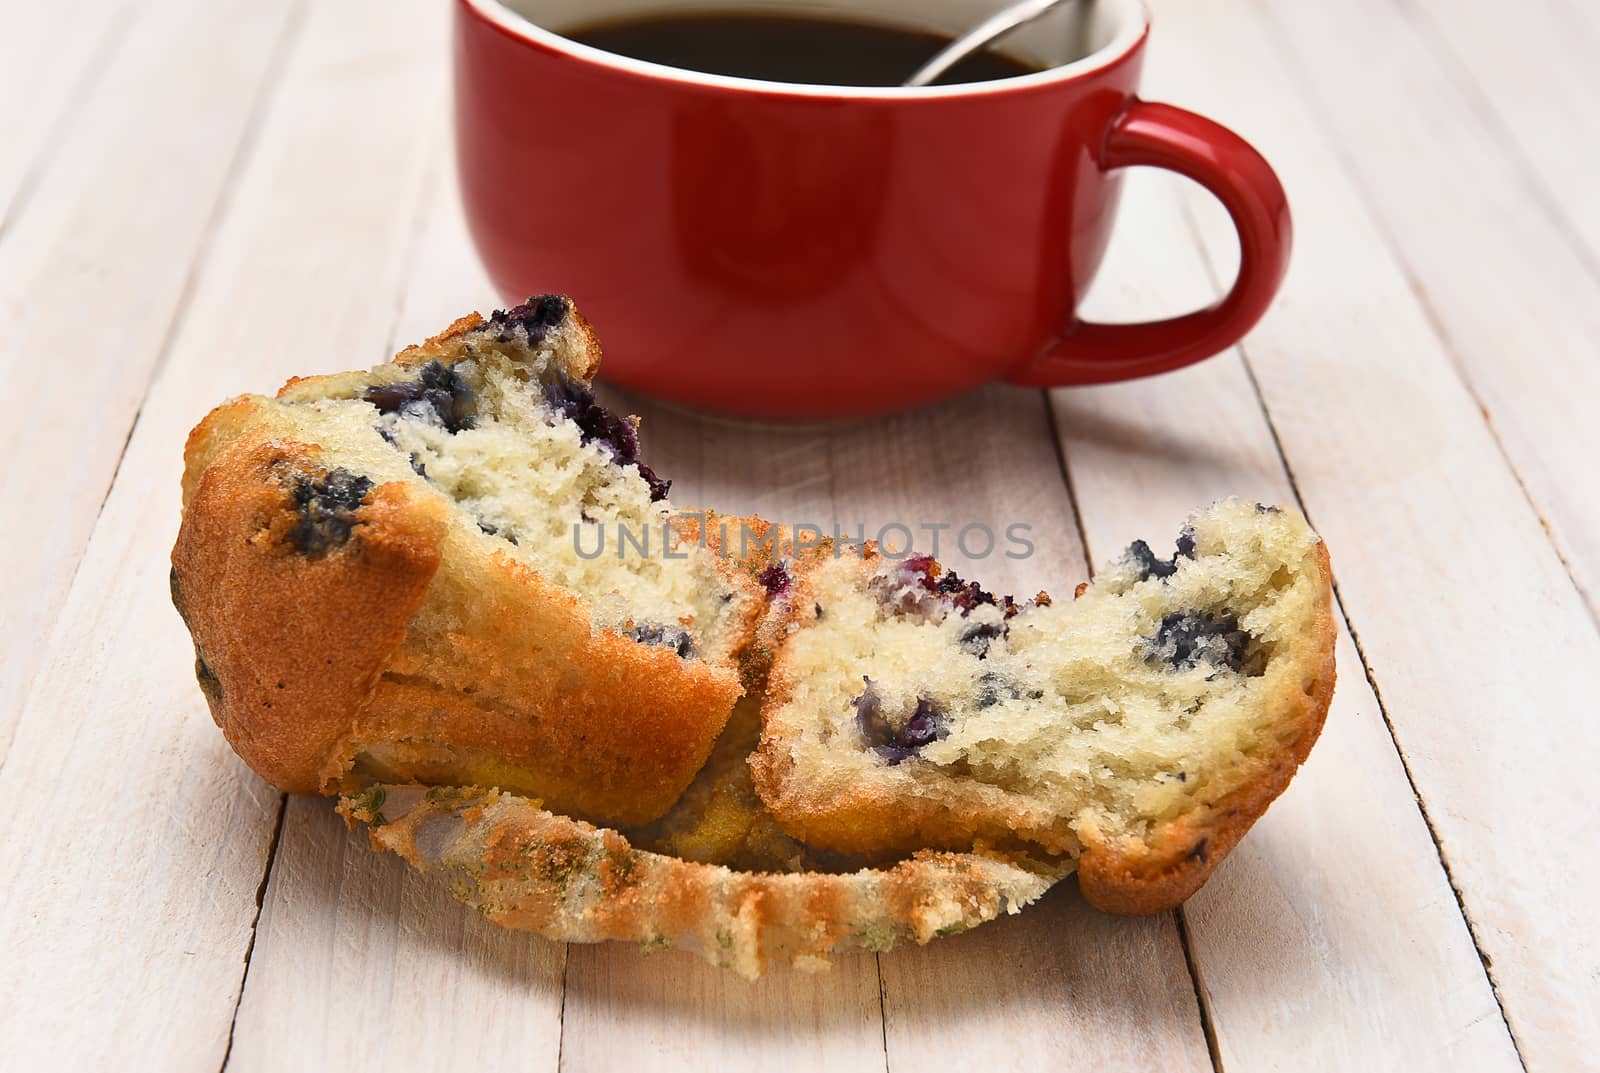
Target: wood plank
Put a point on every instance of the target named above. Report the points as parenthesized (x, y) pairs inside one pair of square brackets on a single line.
[(43, 74), (1582, 18), (377, 968), (137, 842), (94, 272), (1330, 938), (1061, 987), (1483, 652), (1507, 282), (671, 1011), (1528, 78)]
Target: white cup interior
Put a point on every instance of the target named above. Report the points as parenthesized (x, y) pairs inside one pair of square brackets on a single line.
[(1074, 38)]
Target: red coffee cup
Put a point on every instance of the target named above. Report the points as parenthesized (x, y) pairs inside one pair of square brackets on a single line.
[(795, 251)]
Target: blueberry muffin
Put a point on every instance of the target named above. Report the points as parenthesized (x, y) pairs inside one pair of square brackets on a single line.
[(392, 576), (1137, 730), (404, 586)]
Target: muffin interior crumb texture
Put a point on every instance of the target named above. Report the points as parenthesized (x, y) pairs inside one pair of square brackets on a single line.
[(537, 469), (1118, 710)]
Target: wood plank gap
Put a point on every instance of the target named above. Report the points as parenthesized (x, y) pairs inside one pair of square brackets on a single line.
[(1052, 420), (255, 922), (1210, 269), (1436, 324), (1060, 443), (1427, 820), (883, 1008), (561, 1013), (1200, 1003), (88, 80), (337, 915), (1472, 94), (1366, 667)]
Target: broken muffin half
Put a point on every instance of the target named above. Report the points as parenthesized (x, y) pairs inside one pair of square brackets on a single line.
[(416, 574), (1138, 729)]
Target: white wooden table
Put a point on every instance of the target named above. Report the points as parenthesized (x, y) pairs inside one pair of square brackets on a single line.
[(201, 197)]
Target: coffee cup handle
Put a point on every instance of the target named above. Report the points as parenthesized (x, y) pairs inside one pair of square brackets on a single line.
[(1161, 136)]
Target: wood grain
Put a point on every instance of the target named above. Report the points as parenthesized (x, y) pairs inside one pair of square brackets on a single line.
[(143, 840), (1330, 939), (1530, 82), (96, 268), (1484, 655), (219, 195), (376, 966), (1508, 284), (44, 73), (1060, 987)]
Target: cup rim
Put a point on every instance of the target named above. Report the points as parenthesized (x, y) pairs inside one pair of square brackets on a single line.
[(1129, 36)]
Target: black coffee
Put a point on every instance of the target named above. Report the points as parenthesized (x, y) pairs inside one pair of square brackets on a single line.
[(788, 48)]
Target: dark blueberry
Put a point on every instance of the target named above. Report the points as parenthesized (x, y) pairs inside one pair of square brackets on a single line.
[(1198, 853), (1186, 638), (1185, 544), (994, 687), (567, 396), (665, 636), (869, 705), (450, 395), (1145, 562), (1148, 565), (967, 595), (1262, 508), (327, 506), (925, 724), (439, 392), (775, 579), (536, 317), (946, 584), (819, 610), (658, 487), (977, 638), (573, 400)]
